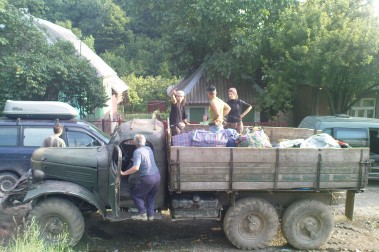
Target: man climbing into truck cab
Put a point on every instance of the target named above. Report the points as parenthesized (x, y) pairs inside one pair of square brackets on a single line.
[(218, 109), (147, 189)]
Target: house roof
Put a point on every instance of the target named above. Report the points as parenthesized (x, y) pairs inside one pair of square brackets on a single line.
[(55, 32), (196, 84)]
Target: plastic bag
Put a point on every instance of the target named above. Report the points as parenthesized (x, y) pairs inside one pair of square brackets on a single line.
[(322, 140), (291, 143)]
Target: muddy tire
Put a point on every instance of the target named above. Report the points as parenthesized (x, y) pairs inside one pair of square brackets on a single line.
[(307, 224), (58, 220), (251, 223), (7, 181)]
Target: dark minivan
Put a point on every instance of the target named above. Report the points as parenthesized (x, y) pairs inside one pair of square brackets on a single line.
[(356, 131), (21, 132)]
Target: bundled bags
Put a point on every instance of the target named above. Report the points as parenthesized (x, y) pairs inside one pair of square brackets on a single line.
[(254, 137), (233, 135), (203, 138), (183, 139)]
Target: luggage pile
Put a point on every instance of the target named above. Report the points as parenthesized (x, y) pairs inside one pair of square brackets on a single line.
[(253, 137), (201, 138)]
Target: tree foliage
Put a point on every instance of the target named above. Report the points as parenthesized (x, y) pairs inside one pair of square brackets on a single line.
[(145, 89), (142, 56), (102, 19), (225, 36), (331, 45), (280, 44), (31, 69)]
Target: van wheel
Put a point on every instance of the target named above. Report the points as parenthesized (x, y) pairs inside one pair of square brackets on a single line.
[(7, 181), (307, 224), (59, 220), (251, 223)]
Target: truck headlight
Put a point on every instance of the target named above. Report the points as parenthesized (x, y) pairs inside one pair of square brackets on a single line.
[(38, 175)]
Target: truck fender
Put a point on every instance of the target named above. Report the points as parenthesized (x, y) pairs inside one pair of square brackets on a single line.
[(50, 187)]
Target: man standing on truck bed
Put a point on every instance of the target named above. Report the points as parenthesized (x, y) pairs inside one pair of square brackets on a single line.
[(147, 189), (218, 109)]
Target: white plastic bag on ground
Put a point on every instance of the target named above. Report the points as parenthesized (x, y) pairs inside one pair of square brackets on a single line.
[(322, 140)]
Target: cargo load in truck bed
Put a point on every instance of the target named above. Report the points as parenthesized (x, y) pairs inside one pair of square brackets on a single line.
[(230, 169)]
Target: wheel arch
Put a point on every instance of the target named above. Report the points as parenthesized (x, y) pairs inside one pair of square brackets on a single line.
[(14, 172), (67, 190)]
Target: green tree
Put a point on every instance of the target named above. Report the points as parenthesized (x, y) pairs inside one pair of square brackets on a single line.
[(37, 7), (102, 19), (225, 36), (3, 3), (142, 90), (142, 56), (31, 69), (89, 41), (108, 26), (332, 45)]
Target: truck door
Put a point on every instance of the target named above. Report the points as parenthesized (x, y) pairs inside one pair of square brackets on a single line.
[(114, 180)]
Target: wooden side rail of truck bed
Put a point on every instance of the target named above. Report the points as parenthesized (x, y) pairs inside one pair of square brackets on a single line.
[(234, 169)]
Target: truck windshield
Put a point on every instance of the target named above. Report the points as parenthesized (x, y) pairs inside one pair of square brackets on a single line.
[(105, 137)]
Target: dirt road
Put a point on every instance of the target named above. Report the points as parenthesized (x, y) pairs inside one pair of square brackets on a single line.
[(362, 234)]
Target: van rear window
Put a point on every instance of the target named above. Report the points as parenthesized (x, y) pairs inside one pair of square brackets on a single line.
[(34, 136), (354, 137), (8, 136)]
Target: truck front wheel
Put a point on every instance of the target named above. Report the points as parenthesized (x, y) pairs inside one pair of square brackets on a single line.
[(251, 223), (307, 224), (58, 220)]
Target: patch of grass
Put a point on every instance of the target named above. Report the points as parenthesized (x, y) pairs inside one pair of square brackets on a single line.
[(30, 240)]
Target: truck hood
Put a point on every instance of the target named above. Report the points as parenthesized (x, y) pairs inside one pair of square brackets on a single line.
[(68, 156), (76, 165)]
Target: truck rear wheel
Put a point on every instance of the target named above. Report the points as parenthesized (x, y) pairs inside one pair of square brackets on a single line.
[(307, 224), (7, 181), (58, 220), (251, 223)]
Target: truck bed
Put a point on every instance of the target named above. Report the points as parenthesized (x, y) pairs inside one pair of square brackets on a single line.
[(268, 169)]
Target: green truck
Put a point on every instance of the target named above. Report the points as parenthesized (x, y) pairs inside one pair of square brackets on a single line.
[(252, 190)]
